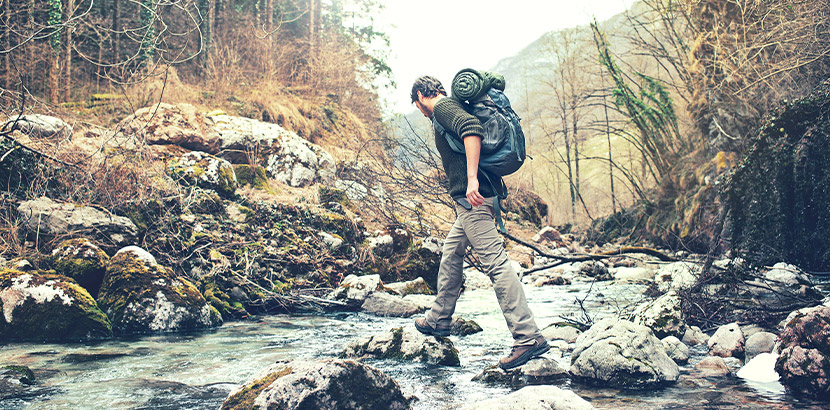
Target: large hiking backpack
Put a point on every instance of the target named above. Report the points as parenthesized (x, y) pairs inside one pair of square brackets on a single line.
[(503, 143)]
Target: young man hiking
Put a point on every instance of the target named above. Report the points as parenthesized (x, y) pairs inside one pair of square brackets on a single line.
[(474, 226)]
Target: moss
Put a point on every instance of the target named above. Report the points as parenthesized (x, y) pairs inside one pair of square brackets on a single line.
[(130, 281), (326, 195), (254, 176), (244, 399), (81, 260), (53, 320), (27, 377)]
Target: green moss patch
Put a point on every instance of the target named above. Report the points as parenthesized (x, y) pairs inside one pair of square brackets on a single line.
[(244, 399), (82, 260), (48, 307)]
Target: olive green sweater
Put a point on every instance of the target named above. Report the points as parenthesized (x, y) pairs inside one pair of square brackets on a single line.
[(459, 124)]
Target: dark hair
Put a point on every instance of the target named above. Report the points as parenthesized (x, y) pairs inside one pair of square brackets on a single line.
[(428, 85)]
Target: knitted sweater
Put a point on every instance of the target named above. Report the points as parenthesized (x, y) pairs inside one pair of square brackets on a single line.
[(459, 124)]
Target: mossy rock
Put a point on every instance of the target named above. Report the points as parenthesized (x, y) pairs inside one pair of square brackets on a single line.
[(327, 195), (224, 303), (527, 205), (141, 296), (42, 307), (254, 176), (777, 197), (82, 260), (205, 171)]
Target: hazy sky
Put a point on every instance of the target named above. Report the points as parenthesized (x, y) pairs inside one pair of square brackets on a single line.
[(440, 37)]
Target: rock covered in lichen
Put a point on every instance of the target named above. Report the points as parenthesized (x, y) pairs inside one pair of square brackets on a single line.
[(47, 307), (204, 170), (82, 260), (804, 363), (319, 384), (539, 370), (662, 315), (416, 286), (622, 354), (404, 343), (139, 296), (49, 218)]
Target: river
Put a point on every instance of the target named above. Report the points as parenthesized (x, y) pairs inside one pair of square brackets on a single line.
[(197, 370)]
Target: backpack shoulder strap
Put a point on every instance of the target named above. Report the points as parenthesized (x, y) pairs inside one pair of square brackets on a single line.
[(455, 145)]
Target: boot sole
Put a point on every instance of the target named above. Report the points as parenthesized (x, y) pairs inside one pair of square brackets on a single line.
[(432, 332), (524, 358)]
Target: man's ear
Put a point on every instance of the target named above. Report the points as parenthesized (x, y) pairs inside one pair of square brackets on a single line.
[(420, 96)]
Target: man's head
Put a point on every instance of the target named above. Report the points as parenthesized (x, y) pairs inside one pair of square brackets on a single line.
[(424, 92)]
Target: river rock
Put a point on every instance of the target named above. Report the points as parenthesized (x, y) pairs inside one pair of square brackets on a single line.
[(289, 158), (354, 190), (19, 384), (662, 315), (319, 384), (761, 342), (539, 370), (49, 218), (82, 260), (423, 302), (676, 275), (354, 290), (534, 398), (548, 235), (521, 254), (787, 274), (474, 279), (382, 245), (694, 336), (42, 307), (38, 126), (805, 348), (712, 366), (622, 354), (384, 304), (205, 171), (412, 287), (728, 341), (140, 296), (463, 327), (404, 343), (561, 332), (167, 124), (632, 274), (596, 270), (676, 350)]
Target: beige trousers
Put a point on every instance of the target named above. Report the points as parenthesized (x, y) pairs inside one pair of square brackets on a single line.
[(476, 227)]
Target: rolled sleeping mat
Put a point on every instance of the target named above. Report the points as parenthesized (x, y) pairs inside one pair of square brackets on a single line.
[(470, 84)]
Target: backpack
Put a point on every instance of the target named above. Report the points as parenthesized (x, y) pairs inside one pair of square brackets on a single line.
[(502, 145)]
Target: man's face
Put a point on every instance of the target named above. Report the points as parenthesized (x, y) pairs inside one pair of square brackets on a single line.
[(423, 109)]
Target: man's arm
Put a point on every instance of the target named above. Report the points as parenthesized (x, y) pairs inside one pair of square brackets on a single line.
[(472, 149)]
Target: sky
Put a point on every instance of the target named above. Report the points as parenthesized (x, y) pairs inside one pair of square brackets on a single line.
[(440, 37)]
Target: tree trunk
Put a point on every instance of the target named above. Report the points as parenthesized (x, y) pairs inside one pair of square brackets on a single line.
[(206, 12), (6, 44), (570, 172), (269, 15), (610, 157), (116, 27), (70, 11), (54, 21)]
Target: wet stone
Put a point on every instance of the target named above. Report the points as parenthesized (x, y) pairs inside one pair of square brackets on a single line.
[(540, 370)]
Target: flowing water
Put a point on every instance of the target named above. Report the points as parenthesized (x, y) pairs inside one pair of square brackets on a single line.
[(197, 370)]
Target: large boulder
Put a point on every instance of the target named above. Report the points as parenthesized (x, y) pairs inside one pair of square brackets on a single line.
[(288, 157), (38, 126), (82, 260), (527, 206), (204, 170), (761, 342), (140, 296), (404, 343), (167, 124), (319, 384), (49, 218), (539, 370), (354, 290), (662, 315), (678, 351), (677, 276), (384, 304), (728, 341), (804, 362), (712, 366), (622, 354), (534, 398), (46, 307)]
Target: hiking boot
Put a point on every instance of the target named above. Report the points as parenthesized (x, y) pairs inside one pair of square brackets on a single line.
[(424, 327), (522, 354)]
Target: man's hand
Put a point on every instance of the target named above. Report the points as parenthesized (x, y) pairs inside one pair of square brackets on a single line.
[(473, 196)]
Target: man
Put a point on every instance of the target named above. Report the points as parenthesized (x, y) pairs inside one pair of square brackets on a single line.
[(474, 225)]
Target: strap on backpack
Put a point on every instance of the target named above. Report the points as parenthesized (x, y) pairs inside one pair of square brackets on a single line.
[(501, 193)]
